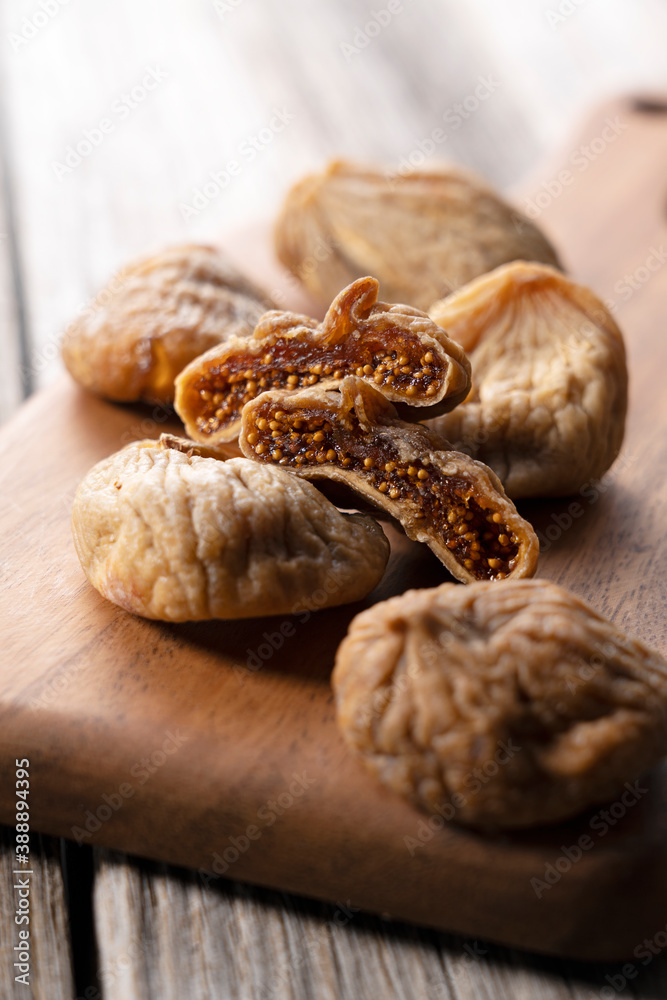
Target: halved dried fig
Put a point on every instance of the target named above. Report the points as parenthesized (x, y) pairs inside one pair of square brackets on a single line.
[(397, 348), (547, 407), (154, 317), (422, 233), (175, 536), (443, 498), (502, 706)]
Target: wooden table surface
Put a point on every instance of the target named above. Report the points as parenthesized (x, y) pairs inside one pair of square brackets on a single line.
[(187, 86)]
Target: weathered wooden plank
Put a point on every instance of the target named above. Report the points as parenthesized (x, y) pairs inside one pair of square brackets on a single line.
[(15, 375), (162, 933), (50, 973), (219, 73), (140, 109), (228, 941), (78, 236)]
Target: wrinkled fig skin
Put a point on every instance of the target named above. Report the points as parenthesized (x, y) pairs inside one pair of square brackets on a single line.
[(154, 317), (422, 234), (523, 684), (397, 348), (190, 448), (549, 396), (177, 537), (443, 498)]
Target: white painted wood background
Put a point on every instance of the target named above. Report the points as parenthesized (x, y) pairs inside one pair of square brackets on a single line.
[(221, 72)]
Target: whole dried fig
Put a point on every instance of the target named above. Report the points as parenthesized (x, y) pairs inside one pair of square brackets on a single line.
[(422, 234), (502, 706), (168, 534), (547, 407), (158, 314), (397, 348), (449, 501)]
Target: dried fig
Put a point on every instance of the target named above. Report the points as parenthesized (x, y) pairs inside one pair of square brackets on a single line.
[(547, 407), (502, 706), (188, 447), (156, 316), (423, 233), (397, 348), (179, 537), (447, 500)]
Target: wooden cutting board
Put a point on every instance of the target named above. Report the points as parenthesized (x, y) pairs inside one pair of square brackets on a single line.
[(214, 745)]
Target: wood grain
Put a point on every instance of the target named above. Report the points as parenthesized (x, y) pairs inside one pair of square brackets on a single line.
[(71, 237), (162, 934), (227, 71), (15, 381), (303, 950), (341, 962), (207, 746), (51, 975), (108, 691)]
